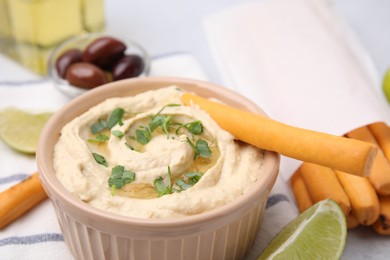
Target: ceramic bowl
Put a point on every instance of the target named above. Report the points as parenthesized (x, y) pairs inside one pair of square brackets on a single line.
[(82, 41), (226, 232)]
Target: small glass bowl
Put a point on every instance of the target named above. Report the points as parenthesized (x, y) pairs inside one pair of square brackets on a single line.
[(81, 42)]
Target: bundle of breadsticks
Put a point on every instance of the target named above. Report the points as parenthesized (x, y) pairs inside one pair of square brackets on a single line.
[(365, 200)]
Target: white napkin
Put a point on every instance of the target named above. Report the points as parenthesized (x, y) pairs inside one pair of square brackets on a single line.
[(301, 63)]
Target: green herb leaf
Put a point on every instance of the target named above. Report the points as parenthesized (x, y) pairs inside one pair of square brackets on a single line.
[(160, 186), (143, 135), (100, 138), (117, 171), (119, 177), (202, 148), (169, 105), (169, 178), (193, 177), (165, 124), (128, 176), (100, 159), (99, 126), (155, 122), (115, 117), (118, 133), (191, 143), (117, 183), (182, 184), (195, 127), (160, 120)]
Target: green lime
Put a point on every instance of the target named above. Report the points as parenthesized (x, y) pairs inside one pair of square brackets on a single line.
[(20, 129), (386, 85), (317, 233)]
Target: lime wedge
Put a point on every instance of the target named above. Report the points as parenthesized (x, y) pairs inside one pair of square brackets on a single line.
[(386, 85), (20, 129), (317, 233)]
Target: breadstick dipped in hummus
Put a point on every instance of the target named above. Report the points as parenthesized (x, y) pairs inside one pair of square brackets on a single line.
[(348, 155)]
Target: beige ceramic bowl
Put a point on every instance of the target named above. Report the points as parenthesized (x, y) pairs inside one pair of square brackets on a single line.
[(227, 232)]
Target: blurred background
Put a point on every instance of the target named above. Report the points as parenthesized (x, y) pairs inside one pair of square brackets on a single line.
[(162, 27)]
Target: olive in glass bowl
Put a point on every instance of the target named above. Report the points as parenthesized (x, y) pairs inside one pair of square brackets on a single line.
[(88, 61)]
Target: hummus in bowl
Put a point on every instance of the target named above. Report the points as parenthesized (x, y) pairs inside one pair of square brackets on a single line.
[(134, 174), (156, 158)]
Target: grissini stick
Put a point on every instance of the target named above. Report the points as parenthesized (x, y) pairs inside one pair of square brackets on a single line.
[(344, 154), (362, 195), (300, 191), (381, 132), (382, 225), (351, 221), (322, 183), (380, 174), (20, 198)]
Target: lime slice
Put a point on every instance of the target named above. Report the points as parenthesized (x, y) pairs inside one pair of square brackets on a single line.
[(21, 130), (386, 85), (317, 233)]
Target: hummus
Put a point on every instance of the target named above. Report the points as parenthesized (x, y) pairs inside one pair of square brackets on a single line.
[(149, 156)]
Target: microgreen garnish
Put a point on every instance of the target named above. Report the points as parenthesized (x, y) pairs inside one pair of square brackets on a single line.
[(100, 159), (194, 127), (115, 118), (201, 148), (99, 126), (120, 177), (168, 105), (190, 179), (118, 133), (182, 184), (160, 186), (143, 135), (193, 177), (100, 138), (160, 120)]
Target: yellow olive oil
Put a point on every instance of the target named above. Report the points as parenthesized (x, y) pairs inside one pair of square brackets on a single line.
[(36, 26)]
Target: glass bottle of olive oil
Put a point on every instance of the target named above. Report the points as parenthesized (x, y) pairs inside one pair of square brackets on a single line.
[(29, 29)]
